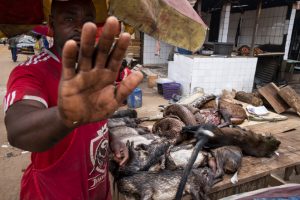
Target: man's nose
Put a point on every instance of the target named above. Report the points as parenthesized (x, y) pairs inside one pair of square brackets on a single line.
[(79, 25)]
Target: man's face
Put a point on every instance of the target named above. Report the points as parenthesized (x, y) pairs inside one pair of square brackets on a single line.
[(67, 20)]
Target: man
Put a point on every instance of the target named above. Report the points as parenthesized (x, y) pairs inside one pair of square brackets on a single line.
[(57, 102), (13, 48)]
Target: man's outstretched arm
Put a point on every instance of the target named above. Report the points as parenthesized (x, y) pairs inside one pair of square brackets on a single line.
[(86, 91)]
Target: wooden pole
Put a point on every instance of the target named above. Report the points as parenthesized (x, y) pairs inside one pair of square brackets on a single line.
[(258, 12)]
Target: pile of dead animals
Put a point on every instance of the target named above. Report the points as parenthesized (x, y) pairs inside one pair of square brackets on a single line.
[(186, 152)]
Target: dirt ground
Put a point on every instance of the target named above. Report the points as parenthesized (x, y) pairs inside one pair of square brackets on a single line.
[(14, 161)]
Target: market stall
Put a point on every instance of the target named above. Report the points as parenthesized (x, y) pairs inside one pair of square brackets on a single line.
[(254, 172)]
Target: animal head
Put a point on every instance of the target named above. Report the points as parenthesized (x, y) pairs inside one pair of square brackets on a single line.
[(272, 145)]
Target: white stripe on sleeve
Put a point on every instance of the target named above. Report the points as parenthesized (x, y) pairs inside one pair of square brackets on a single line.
[(39, 99)]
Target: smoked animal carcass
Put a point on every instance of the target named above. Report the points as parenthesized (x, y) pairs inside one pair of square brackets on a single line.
[(228, 160), (163, 185), (249, 98), (234, 112), (168, 127), (251, 143), (182, 112)]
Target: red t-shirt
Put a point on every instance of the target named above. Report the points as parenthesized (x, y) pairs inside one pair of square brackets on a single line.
[(76, 167)]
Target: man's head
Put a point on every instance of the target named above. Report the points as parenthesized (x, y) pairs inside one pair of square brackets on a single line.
[(67, 19)]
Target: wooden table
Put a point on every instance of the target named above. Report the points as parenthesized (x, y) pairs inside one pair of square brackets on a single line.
[(256, 173)]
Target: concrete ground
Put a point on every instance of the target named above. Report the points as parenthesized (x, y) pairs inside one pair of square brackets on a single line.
[(13, 161)]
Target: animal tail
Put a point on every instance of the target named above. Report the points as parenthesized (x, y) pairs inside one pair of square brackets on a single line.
[(189, 166)]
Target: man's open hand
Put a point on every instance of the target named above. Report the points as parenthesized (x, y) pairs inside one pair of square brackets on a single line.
[(87, 92)]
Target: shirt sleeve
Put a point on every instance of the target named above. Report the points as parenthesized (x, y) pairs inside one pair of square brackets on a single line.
[(25, 82)]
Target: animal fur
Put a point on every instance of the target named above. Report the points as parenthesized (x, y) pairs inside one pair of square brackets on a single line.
[(228, 160), (168, 127), (252, 144), (162, 185), (130, 134)]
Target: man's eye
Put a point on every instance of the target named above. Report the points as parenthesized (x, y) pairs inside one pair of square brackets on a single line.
[(69, 19)]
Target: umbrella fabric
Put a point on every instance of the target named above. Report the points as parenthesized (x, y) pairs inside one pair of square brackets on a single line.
[(171, 21), (37, 11), (17, 17)]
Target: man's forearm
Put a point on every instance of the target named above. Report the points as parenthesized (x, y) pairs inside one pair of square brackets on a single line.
[(36, 130)]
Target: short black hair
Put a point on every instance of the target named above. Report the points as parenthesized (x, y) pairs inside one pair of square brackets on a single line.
[(56, 2)]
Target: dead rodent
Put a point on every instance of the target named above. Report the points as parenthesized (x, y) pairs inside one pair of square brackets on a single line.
[(251, 143), (163, 185), (228, 160), (249, 98), (168, 127)]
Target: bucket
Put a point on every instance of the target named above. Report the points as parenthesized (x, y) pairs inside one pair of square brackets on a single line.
[(169, 89), (152, 80), (134, 100), (160, 83)]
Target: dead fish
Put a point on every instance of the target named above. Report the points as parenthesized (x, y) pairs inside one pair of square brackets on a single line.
[(185, 115), (228, 160), (163, 185)]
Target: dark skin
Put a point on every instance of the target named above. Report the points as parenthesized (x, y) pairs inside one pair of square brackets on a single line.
[(86, 93)]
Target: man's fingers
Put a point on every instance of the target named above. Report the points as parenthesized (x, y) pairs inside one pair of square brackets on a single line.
[(87, 46), (118, 53), (111, 30), (69, 58), (128, 85)]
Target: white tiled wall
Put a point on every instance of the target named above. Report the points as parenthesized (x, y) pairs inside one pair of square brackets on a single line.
[(180, 70), (213, 74), (271, 29), (149, 56)]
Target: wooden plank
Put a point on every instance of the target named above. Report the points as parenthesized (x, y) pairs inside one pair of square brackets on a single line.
[(275, 127), (270, 93), (254, 168), (291, 97)]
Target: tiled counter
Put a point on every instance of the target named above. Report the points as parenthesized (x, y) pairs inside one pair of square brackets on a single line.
[(213, 74)]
